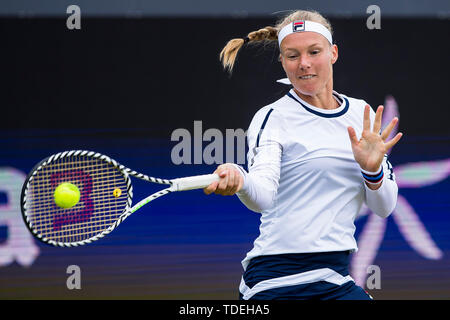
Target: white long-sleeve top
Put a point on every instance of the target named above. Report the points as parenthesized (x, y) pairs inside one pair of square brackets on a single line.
[(303, 179)]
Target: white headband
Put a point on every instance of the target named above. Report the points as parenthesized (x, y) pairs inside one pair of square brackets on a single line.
[(301, 26)]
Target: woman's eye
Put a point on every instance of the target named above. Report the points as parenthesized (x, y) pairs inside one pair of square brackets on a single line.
[(315, 52)]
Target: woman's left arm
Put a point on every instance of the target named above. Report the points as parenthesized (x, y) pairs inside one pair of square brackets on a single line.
[(381, 197), (370, 153)]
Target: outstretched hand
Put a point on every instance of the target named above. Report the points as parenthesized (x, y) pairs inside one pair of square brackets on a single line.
[(370, 149)]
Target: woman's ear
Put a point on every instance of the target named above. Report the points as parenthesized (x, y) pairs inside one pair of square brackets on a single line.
[(334, 53)]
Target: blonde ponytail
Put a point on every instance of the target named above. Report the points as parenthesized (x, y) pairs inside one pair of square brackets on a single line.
[(229, 53)]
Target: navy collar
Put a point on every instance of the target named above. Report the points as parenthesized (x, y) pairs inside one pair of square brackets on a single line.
[(316, 111)]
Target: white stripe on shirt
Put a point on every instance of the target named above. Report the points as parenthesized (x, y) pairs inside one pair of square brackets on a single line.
[(324, 274)]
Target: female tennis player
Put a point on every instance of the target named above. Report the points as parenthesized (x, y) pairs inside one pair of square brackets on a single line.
[(315, 157)]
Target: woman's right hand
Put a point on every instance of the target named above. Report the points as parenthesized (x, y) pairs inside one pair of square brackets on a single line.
[(231, 181)]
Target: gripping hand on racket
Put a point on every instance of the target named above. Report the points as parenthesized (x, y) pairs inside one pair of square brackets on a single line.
[(231, 181)]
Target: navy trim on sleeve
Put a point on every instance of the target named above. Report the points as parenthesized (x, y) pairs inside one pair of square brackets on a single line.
[(263, 126)]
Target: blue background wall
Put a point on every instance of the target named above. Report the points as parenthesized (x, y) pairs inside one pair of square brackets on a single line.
[(122, 86)]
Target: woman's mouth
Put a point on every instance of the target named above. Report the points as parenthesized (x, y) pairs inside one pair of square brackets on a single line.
[(306, 77)]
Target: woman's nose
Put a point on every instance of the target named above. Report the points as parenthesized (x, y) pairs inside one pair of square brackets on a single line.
[(304, 63)]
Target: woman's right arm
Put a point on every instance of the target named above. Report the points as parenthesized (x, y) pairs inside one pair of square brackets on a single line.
[(258, 187), (261, 181)]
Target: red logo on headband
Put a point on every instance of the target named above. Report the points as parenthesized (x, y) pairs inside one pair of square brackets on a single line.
[(298, 26)]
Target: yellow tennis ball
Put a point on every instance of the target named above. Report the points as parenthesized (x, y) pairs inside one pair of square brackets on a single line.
[(66, 195)]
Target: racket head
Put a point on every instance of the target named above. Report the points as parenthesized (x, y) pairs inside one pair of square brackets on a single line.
[(100, 208)]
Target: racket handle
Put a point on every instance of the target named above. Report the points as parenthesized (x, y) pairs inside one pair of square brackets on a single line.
[(194, 182)]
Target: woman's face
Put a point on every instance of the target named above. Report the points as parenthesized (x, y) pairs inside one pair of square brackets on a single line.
[(307, 59)]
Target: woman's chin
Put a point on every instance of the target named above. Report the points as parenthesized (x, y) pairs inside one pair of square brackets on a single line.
[(305, 91)]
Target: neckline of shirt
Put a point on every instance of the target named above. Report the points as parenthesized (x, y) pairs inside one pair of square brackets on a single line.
[(327, 113)]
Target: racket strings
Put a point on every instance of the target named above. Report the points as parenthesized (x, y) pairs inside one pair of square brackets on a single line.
[(49, 199), (97, 209), (114, 180), (119, 219), (82, 230)]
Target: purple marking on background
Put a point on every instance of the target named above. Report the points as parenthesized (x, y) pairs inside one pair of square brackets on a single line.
[(70, 216)]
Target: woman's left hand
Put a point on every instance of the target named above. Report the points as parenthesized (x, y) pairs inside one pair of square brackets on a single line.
[(371, 148)]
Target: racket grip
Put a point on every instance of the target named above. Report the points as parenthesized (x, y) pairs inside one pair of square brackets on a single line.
[(194, 182)]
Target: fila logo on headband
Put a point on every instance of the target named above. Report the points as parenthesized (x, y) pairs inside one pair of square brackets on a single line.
[(302, 26), (298, 26)]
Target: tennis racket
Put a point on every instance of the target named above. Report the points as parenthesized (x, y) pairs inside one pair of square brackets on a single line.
[(105, 196)]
